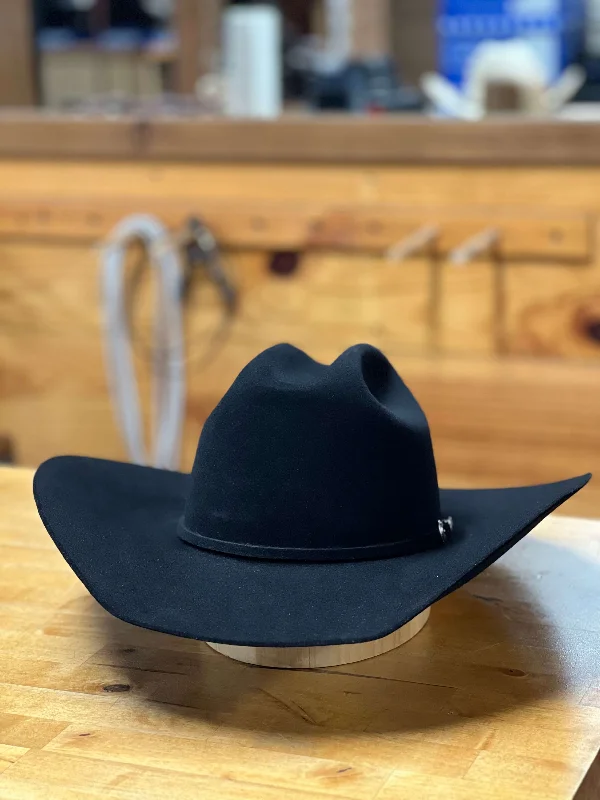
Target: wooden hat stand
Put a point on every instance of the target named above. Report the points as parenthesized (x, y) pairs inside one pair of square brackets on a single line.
[(326, 656)]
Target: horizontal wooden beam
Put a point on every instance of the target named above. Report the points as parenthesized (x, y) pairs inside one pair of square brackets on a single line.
[(401, 139), (264, 225)]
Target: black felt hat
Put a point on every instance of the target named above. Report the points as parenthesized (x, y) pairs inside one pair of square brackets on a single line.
[(312, 515)]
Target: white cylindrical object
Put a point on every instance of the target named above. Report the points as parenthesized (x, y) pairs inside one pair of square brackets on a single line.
[(253, 61), (338, 44)]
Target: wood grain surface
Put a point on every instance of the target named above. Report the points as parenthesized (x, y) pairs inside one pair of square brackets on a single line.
[(340, 139), (198, 26), (502, 356), (552, 237), (498, 697), (18, 80)]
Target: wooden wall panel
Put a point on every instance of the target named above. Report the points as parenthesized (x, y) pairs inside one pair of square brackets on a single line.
[(572, 188), (468, 322), (408, 309), (495, 421), (553, 312)]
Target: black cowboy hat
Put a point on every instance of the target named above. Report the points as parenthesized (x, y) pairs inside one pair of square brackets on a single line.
[(312, 515)]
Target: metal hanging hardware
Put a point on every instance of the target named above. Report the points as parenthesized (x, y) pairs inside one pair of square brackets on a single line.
[(474, 246), (202, 251), (415, 242), (445, 527)]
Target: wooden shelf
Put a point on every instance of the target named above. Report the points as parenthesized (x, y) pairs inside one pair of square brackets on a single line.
[(300, 138)]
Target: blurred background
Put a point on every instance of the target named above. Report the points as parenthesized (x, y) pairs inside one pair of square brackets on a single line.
[(186, 182)]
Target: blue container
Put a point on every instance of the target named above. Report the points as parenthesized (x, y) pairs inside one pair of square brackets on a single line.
[(553, 27)]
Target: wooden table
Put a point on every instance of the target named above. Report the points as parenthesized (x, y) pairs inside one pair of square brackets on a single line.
[(498, 697)]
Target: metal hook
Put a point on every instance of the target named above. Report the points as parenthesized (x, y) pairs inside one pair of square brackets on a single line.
[(413, 243), (201, 250), (474, 246)]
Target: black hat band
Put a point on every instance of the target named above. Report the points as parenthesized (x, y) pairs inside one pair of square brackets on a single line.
[(400, 547)]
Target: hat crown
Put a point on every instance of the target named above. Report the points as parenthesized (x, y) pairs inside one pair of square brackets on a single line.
[(302, 460)]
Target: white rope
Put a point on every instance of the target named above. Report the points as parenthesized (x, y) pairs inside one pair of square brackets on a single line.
[(168, 378)]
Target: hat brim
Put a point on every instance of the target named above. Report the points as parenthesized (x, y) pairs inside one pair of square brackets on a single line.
[(116, 526)]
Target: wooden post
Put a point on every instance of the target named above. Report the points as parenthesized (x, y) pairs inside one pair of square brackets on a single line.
[(18, 84), (370, 29), (198, 27), (413, 37)]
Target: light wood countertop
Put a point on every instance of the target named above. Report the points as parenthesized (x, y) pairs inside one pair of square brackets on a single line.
[(498, 697)]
